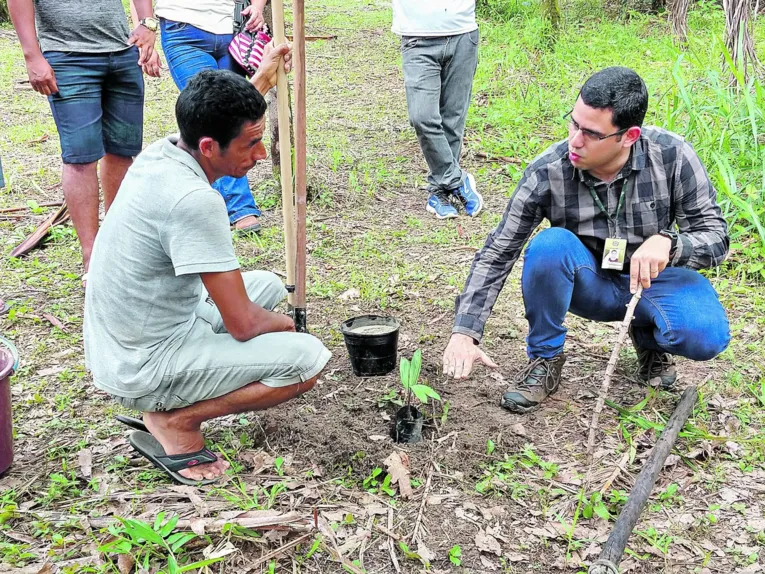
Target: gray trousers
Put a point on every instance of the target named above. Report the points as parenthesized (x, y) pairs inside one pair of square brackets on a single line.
[(438, 75)]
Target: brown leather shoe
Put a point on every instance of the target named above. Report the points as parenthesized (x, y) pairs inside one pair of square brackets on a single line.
[(533, 384), (655, 368)]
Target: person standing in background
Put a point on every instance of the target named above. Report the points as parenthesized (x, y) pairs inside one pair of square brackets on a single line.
[(195, 36), (439, 51), (84, 58)]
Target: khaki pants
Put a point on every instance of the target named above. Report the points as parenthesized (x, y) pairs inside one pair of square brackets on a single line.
[(211, 363)]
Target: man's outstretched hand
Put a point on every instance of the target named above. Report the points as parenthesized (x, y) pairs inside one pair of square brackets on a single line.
[(265, 78), (461, 354)]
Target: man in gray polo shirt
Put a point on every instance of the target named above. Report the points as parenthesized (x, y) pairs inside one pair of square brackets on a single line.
[(172, 327)]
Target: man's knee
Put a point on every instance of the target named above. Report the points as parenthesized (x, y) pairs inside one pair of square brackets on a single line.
[(264, 288), (424, 114), (306, 386), (81, 168), (549, 246), (707, 341)]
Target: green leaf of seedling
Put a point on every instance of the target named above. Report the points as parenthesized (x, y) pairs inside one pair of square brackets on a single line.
[(490, 446), (414, 372), (419, 392), (158, 521), (455, 555), (404, 367)]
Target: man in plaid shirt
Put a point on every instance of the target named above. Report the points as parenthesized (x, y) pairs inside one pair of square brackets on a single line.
[(627, 205)]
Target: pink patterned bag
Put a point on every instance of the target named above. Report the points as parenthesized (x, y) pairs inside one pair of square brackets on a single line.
[(247, 49)]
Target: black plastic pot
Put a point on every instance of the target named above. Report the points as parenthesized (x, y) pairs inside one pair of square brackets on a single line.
[(408, 425), (372, 343)]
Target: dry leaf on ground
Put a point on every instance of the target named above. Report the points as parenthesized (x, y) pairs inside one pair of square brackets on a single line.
[(486, 543), (398, 468), (85, 458)]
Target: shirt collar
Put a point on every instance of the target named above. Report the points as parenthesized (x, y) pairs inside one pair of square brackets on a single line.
[(171, 150)]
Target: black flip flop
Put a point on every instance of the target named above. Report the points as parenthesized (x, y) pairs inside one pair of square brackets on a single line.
[(132, 422), (149, 447)]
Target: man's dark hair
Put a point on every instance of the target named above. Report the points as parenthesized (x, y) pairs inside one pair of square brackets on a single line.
[(620, 90), (216, 104)]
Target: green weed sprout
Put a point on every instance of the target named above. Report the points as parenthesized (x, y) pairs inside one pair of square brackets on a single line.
[(410, 373)]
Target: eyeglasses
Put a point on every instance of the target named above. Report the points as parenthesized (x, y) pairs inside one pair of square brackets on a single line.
[(589, 134)]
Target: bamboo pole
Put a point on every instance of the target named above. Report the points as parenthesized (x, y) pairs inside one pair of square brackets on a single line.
[(283, 106), (623, 329), (611, 555), (300, 163)]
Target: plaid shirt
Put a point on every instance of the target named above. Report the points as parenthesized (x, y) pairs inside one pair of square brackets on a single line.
[(666, 186)]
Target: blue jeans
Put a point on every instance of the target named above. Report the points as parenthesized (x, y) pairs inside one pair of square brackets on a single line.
[(98, 108), (679, 314), (189, 50), (438, 76)]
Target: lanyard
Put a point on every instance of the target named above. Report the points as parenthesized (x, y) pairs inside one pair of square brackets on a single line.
[(613, 219)]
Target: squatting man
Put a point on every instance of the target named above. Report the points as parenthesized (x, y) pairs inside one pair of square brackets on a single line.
[(613, 185), (173, 328)]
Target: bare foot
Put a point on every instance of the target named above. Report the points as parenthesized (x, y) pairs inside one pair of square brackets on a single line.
[(175, 438)]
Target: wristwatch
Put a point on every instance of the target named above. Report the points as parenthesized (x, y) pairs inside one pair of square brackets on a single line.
[(672, 236), (151, 24)]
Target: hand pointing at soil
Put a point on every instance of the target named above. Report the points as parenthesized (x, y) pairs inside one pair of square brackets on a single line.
[(460, 355)]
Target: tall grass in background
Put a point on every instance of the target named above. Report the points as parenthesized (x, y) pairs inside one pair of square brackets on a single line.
[(727, 127)]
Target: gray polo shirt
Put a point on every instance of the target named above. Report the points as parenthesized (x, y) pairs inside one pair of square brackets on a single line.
[(81, 26), (166, 226)]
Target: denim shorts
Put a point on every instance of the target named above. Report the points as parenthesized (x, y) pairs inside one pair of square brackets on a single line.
[(98, 108)]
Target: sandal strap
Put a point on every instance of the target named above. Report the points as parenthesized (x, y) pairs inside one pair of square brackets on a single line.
[(176, 462)]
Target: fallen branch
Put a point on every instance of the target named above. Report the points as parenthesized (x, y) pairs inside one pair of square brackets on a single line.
[(391, 547), (25, 207), (417, 522), (281, 550), (623, 329), (328, 533)]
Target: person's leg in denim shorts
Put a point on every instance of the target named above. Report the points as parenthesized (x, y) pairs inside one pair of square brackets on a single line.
[(189, 50), (98, 111)]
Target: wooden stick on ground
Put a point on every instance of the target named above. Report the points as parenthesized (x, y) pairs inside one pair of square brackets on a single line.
[(416, 530), (283, 105), (391, 546), (623, 330), (26, 207)]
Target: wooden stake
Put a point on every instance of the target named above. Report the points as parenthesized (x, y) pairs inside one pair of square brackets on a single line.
[(300, 162), (623, 330), (283, 106)]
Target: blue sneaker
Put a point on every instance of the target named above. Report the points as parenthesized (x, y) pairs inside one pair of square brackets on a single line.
[(440, 206), (470, 198)]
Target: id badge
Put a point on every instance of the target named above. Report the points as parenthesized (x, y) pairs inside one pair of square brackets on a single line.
[(613, 253)]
